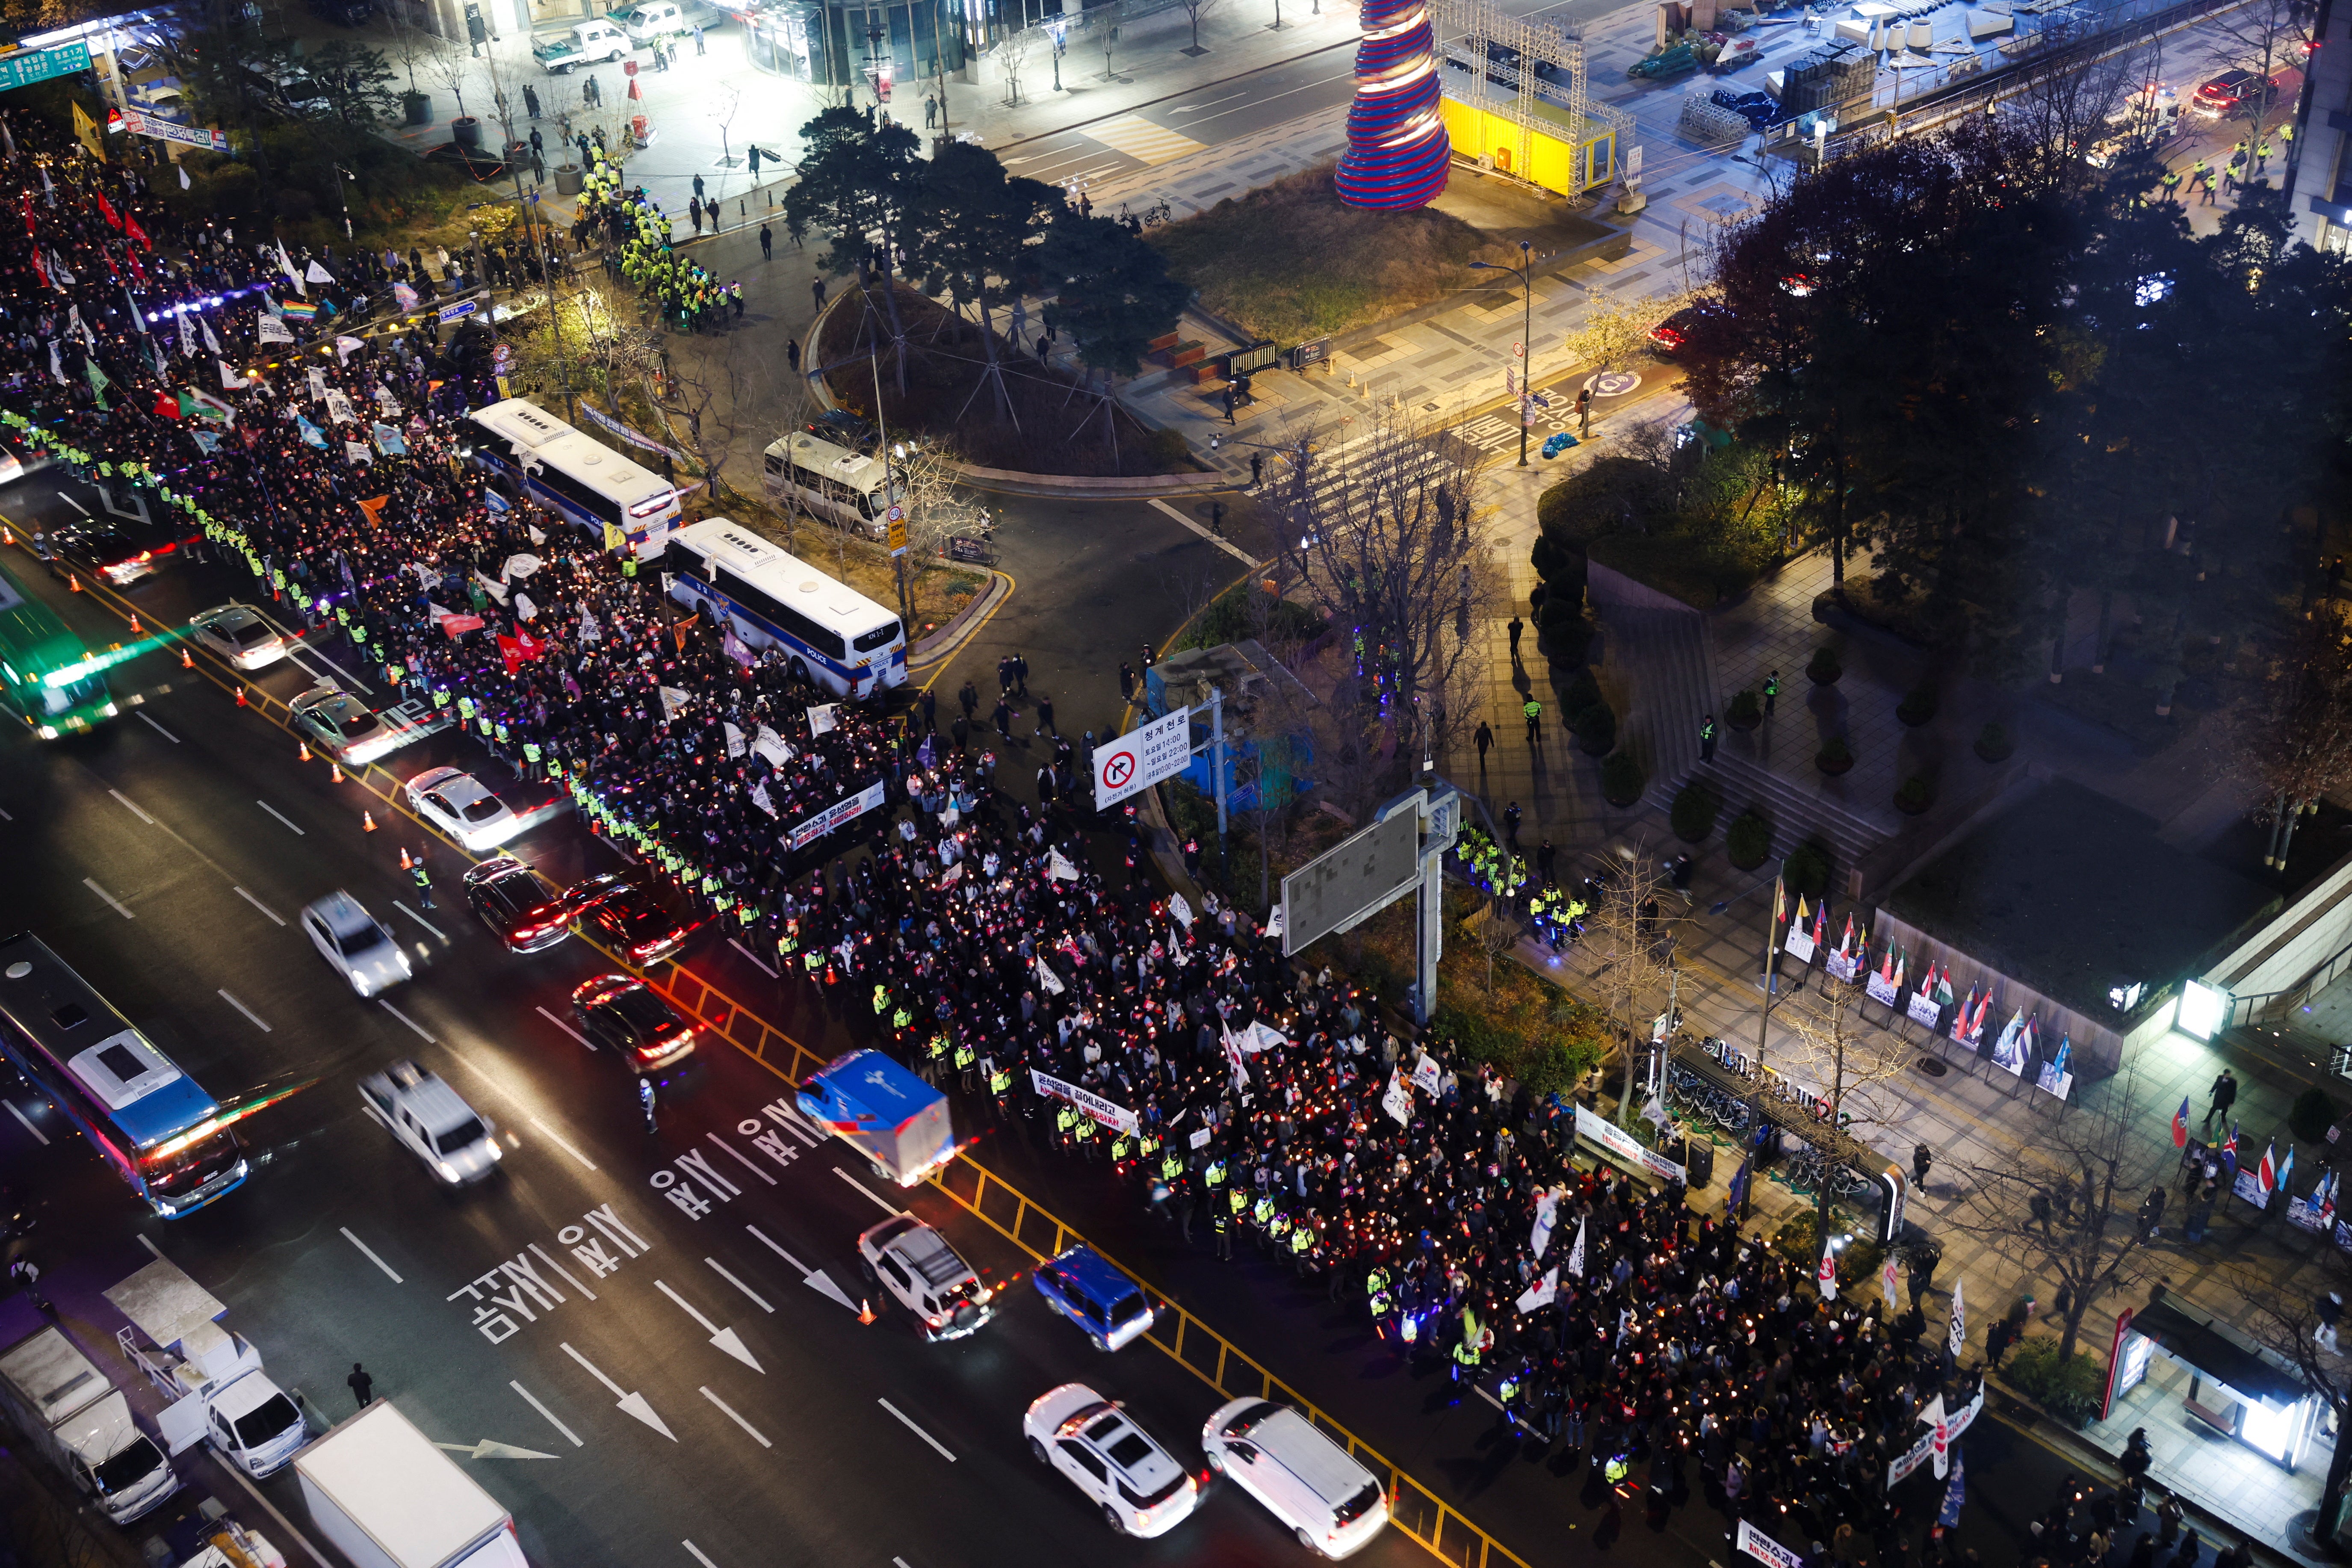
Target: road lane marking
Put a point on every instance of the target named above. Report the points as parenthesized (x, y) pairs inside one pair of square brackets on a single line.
[(699, 1557), (740, 1159), (753, 957), (566, 1273), (73, 503), (725, 1339), (566, 1029), (909, 1423), (369, 1253), (544, 1410), (159, 728), (150, 1246), (133, 806), (756, 1299), (885, 1205), (561, 1141), (771, 1246), (415, 1027), (276, 918), (281, 816), (26, 1124), (633, 1405), (5, 817), (250, 1016), (791, 1121), (1227, 545), (420, 919), (756, 1436), (112, 902)]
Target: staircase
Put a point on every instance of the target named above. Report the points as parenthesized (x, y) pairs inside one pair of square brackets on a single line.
[(1797, 813), (1661, 655)]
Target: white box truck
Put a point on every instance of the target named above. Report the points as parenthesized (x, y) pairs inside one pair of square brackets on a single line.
[(387, 1498), (64, 1406), (211, 1377)]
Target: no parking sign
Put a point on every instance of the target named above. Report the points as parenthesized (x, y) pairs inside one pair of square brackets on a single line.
[(1134, 762)]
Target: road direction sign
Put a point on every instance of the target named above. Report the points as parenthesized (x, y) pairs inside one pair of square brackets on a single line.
[(1134, 762), (1361, 873), (458, 311), (27, 66)]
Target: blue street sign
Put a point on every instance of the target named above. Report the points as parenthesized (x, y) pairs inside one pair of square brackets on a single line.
[(458, 311), (25, 68)]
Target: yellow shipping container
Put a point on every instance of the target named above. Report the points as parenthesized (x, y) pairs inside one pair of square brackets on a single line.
[(1560, 153)]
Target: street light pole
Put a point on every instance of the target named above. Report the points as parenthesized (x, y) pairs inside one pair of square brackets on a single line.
[(1524, 272)]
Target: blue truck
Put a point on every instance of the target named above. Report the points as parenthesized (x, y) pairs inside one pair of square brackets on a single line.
[(893, 1118)]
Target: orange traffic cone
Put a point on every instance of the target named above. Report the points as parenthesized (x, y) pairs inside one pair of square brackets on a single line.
[(306, 753), (405, 863), (334, 773), (865, 1311), (135, 630), (188, 659), (73, 582), (240, 698), (367, 822)]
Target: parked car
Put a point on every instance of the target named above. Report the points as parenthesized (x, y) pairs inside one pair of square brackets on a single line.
[(2226, 92), (1670, 335), (843, 429), (641, 915)]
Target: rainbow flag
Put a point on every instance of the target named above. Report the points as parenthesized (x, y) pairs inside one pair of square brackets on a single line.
[(300, 309)]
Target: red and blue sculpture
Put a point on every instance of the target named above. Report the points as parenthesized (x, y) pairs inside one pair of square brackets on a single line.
[(1398, 152)]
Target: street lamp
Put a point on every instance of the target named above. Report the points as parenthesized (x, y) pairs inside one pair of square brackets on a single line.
[(1527, 334)]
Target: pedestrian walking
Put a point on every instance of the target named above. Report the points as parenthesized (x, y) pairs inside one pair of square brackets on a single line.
[(1706, 739), (1045, 717), (1217, 518), (362, 1385), (1020, 675), (1771, 693), (2224, 1095), (1484, 738), (530, 100), (793, 355), (1257, 469), (1922, 1157), (968, 695), (1127, 683), (767, 245), (1583, 412), (1003, 718), (28, 1276), (1517, 626), (699, 50), (816, 292), (1534, 714), (1228, 395), (929, 703), (1511, 817)]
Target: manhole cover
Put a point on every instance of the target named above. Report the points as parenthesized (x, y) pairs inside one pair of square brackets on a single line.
[(1931, 1065)]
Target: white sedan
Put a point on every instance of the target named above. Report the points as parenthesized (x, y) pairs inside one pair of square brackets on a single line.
[(238, 634), (1141, 1491), (361, 947), (455, 801)]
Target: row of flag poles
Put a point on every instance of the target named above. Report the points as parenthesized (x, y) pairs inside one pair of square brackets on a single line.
[(2272, 1175)]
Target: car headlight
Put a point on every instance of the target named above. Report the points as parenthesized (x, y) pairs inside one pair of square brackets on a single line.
[(496, 1152), (49, 731), (449, 1172), (111, 710)]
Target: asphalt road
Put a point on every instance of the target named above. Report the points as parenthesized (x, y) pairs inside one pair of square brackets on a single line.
[(657, 1315)]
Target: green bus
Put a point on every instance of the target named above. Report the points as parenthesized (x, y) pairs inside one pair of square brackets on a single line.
[(52, 682)]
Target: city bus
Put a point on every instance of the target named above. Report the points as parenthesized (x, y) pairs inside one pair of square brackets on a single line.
[(573, 474), (830, 482), (48, 677), (169, 1139), (845, 642)]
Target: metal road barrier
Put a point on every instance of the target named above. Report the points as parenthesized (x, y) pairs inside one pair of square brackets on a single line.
[(1421, 1516)]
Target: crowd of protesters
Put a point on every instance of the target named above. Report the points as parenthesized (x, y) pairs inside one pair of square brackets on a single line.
[(993, 943)]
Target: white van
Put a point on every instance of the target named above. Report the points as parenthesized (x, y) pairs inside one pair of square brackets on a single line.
[(1331, 1503), (830, 482)]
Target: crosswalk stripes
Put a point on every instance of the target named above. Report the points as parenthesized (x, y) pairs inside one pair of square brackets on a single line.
[(1142, 141)]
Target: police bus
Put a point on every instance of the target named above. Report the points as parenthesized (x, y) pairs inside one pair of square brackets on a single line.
[(169, 1139), (560, 468), (830, 482), (844, 641), (51, 680)]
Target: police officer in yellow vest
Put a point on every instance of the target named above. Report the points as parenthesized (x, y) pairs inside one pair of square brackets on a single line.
[(1467, 1349), (1376, 1288), (967, 1059)]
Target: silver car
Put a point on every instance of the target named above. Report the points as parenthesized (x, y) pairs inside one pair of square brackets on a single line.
[(239, 635), (359, 946), (343, 727), (456, 1142)]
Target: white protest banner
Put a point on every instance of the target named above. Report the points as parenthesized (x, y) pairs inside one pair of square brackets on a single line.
[(735, 747), (1766, 1549), (1881, 989), (673, 700), (270, 329), (1541, 1292), (1625, 1146), (1960, 1339), (760, 797), (1048, 979), (815, 828), (1093, 1104), (821, 719), (952, 875), (1180, 912), (1547, 1206), (358, 452), (770, 745), (1200, 1136), (318, 379), (1425, 1076), (1397, 1100), (1263, 1036), (1576, 1252), (1799, 944), (339, 409), (1058, 866), (1925, 1448)]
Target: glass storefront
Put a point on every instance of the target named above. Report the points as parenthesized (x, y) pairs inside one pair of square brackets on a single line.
[(845, 41)]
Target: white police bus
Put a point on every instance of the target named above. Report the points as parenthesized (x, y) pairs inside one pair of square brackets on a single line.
[(541, 457), (844, 641), (830, 482)]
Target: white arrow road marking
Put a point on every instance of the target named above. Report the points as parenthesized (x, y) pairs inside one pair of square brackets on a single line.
[(725, 1339), (756, 1299), (275, 918), (631, 1403), (815, 1278), (544, 1410), (487, 1450), (883, 1204), (756, 1434), (112, 902), (918, 1431), (367, 1251)]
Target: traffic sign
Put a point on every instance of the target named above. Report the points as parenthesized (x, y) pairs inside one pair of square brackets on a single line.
[(1134, 762), (26, 68), (458, 311), (898, 532)]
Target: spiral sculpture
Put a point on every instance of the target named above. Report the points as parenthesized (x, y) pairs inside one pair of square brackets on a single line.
[(1398, 154)]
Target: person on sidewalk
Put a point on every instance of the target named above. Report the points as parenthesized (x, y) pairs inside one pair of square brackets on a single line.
[(1706, 739), (1483, 739), (793, 355), (2224, 1094), (1517, 626), (1922, 1157), (1257, 469), (1534, 711), (1511, 818), (530, 100), (1583, 412), (816, 292), (362, 1385), (1771, 693)]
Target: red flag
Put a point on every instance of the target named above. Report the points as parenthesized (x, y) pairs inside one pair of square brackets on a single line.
[(2180, 1124), (167, 405), (531, 646), (111, 266), (457, 625), (130, 226), (106, 210), (40, 267), (511, 652)]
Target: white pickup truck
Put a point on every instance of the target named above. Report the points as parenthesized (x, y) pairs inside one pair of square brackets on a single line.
[(590, 43), (211, 1377), (59, 1400)]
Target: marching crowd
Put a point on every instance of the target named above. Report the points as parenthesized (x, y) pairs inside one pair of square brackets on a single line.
[(1247, 1106)]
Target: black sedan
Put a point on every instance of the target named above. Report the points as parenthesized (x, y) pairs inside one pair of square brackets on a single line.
[(96, 548), (636, 915), (625, 1019), (521, 910)]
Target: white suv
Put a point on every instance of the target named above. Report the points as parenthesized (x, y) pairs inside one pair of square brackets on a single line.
[(915, 1264), (1141, 1490)]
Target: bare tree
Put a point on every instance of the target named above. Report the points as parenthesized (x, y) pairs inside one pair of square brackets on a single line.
[(2064, 106), (1012, 54), (2306, 750), (2065, 1205), (2268, 36), (409, 41), (1387, 540), (1194, 10), (1621, 932), (1847, 1067), (1612, 337), (449, 67)]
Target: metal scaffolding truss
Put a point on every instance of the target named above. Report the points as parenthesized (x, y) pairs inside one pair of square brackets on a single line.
[(1506, 65)]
